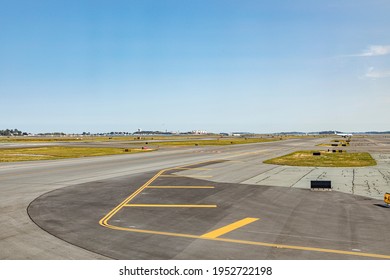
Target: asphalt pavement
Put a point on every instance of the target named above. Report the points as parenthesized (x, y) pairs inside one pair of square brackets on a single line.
[(187, 211)]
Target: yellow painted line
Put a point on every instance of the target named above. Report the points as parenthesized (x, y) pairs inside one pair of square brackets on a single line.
[(124, 203), (223, 230), (180, 187), (104, 222), (254, 243), (105, 219), (171, 205)]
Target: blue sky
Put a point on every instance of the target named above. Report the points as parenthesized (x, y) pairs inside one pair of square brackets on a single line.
[(221, 66)]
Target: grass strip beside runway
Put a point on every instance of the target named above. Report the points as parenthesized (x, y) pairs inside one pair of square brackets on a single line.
[(58, 152), (325, 159)]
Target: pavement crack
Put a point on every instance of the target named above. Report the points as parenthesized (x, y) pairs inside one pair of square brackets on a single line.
[(263, 179), (385, 177), (302, 178), (322, 175)]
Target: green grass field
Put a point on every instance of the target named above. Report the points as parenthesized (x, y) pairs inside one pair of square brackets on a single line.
[(326, 159), (62, 152), (58, 152)]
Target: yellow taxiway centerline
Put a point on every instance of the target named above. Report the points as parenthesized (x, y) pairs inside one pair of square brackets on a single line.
[(223, 230), (253, 243), (105, 219)]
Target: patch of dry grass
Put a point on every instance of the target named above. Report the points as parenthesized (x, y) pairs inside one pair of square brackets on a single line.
[(58, 152), (326, 159)]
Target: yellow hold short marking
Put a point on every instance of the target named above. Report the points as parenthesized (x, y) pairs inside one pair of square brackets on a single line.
[(223, 230)]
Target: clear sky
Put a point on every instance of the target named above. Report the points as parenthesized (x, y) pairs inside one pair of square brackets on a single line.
[(216, 65)]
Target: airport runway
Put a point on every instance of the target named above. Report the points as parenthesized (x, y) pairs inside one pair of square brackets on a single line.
[(144, 206)]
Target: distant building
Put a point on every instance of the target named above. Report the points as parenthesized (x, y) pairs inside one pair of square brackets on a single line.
[(199, 132)]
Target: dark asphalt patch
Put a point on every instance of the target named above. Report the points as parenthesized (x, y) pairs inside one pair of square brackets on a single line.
[(296, 217)]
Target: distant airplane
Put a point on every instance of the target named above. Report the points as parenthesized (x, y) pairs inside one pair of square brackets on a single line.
[(345, 135)]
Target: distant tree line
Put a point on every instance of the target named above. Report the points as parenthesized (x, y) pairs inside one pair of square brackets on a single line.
[(112, 133), (12, 132), (52, 134), (378, 132)]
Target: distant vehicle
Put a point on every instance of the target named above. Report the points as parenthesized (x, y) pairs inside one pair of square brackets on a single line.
[(345, 135)]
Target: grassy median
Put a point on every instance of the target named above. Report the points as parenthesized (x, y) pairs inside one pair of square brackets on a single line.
[(325, 159), (58, 152)]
